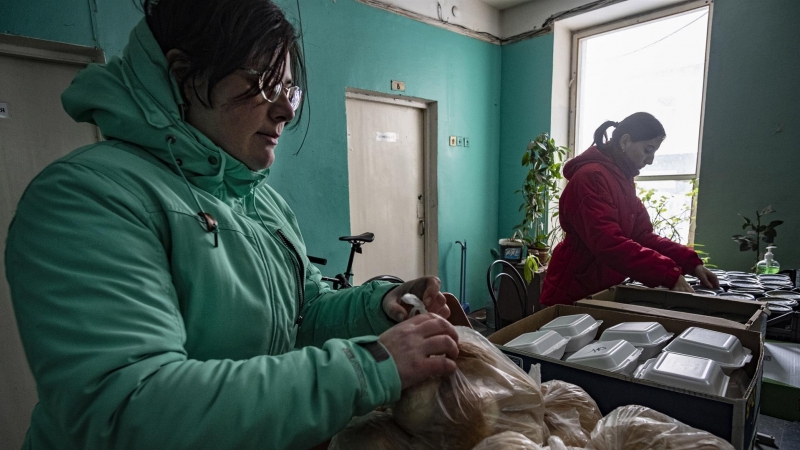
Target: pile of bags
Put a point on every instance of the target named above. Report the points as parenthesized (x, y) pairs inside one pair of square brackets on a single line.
[(491, 404)]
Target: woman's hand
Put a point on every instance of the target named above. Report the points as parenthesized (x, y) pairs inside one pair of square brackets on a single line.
[(424, 346), (682, 286), (426, 289), (706, 277)]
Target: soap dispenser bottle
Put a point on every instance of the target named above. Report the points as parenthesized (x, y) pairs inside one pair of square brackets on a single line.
[(768, 264)]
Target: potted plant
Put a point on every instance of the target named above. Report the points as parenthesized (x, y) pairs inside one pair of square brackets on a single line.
[(757, 233), (543, 159)]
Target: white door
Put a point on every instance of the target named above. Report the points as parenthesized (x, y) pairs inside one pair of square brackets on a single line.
[(385, 163), (35, 132)]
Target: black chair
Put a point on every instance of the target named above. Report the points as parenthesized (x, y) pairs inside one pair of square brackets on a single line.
[(519, 287)]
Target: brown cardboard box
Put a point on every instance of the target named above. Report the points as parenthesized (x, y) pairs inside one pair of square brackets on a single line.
[(751, 315), (733, 419)]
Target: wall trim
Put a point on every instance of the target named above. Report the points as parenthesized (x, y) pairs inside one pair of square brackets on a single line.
[(52, 51), (460, 29)]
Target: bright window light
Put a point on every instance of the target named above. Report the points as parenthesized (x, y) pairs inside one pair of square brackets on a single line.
[(658, 67)]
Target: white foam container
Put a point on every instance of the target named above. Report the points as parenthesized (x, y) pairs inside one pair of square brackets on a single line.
[(580, 329), (545, 343), (651, 337), (617, 356), (692, 373), (723, 348)]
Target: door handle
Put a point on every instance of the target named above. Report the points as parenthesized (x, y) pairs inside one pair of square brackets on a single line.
[(421, 227)]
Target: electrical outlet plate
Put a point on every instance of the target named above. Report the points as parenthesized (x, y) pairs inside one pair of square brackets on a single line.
[(398, 85), (460, 141), (466, 142), (453, 141)]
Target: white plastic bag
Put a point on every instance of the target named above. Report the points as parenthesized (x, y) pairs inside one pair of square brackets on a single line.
[(570, 413), (486, 396), (636, 427), (507, 440)]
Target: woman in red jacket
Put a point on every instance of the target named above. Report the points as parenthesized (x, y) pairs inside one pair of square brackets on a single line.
[(608, 234)]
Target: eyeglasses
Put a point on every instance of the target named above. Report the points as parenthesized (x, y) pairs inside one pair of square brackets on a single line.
[(293, 93)]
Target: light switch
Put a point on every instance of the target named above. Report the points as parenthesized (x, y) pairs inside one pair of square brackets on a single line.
[(460, 141), (453, 141)]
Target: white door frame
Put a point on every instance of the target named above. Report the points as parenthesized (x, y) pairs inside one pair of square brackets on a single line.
[(430, 121)]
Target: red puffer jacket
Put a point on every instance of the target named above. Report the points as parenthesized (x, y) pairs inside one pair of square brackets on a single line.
[(608, 235)]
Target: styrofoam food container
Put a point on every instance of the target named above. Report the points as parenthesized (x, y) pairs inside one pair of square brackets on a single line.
[(723, 348), (544, 343), (580, 329), (618, 356), (651, 337), (692, 373)]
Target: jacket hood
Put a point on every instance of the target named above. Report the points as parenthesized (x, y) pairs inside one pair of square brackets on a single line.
[(594, 155), (136, 99)]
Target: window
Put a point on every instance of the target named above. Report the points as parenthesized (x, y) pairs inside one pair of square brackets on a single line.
[(654, 63)]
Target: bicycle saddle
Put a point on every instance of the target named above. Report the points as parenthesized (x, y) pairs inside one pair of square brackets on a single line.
[(365, 237)]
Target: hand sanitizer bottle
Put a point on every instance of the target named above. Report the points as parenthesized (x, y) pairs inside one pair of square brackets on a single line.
[(768, 264)]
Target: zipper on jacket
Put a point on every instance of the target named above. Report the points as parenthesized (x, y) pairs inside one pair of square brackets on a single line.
[(298, 275)]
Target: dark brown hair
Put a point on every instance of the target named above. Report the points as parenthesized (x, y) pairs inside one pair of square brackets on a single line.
[(641, 126), (219, 37)]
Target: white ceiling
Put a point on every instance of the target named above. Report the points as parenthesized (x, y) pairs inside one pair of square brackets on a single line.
[(503, 4)]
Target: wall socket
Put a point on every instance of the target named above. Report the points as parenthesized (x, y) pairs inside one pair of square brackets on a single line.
[(398, 85), (459, 141)]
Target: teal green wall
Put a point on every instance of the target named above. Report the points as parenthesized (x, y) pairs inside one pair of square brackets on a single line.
[(352, 45), (527, 81), (746, 163), (73, 21)]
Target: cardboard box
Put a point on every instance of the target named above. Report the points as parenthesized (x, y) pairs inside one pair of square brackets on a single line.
[(780, 396), (751, 315), (733, 419)]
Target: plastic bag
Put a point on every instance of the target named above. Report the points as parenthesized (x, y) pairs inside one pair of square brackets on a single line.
[(507, 440), (570, 413), (375, 431), (636, 427), (417, 307), (555, 443), (487, 395)]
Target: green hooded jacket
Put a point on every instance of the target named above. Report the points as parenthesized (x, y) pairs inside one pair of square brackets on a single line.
[(142, 333)]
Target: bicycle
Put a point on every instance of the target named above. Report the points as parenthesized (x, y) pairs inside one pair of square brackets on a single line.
[(342, 280)]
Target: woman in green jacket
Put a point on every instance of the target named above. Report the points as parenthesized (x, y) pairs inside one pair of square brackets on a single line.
[(161, 286)]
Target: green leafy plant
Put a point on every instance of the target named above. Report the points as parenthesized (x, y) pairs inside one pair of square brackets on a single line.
[(666, 225), (751, 240), (543, 159), (531, 267), (704, 255)]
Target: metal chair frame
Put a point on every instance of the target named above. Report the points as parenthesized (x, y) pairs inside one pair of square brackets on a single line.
[(519, 286)]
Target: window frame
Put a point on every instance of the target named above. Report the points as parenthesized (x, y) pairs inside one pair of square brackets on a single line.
[(575, 78)]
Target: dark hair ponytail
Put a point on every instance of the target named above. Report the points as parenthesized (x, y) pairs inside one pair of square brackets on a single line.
[(640, 126)]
